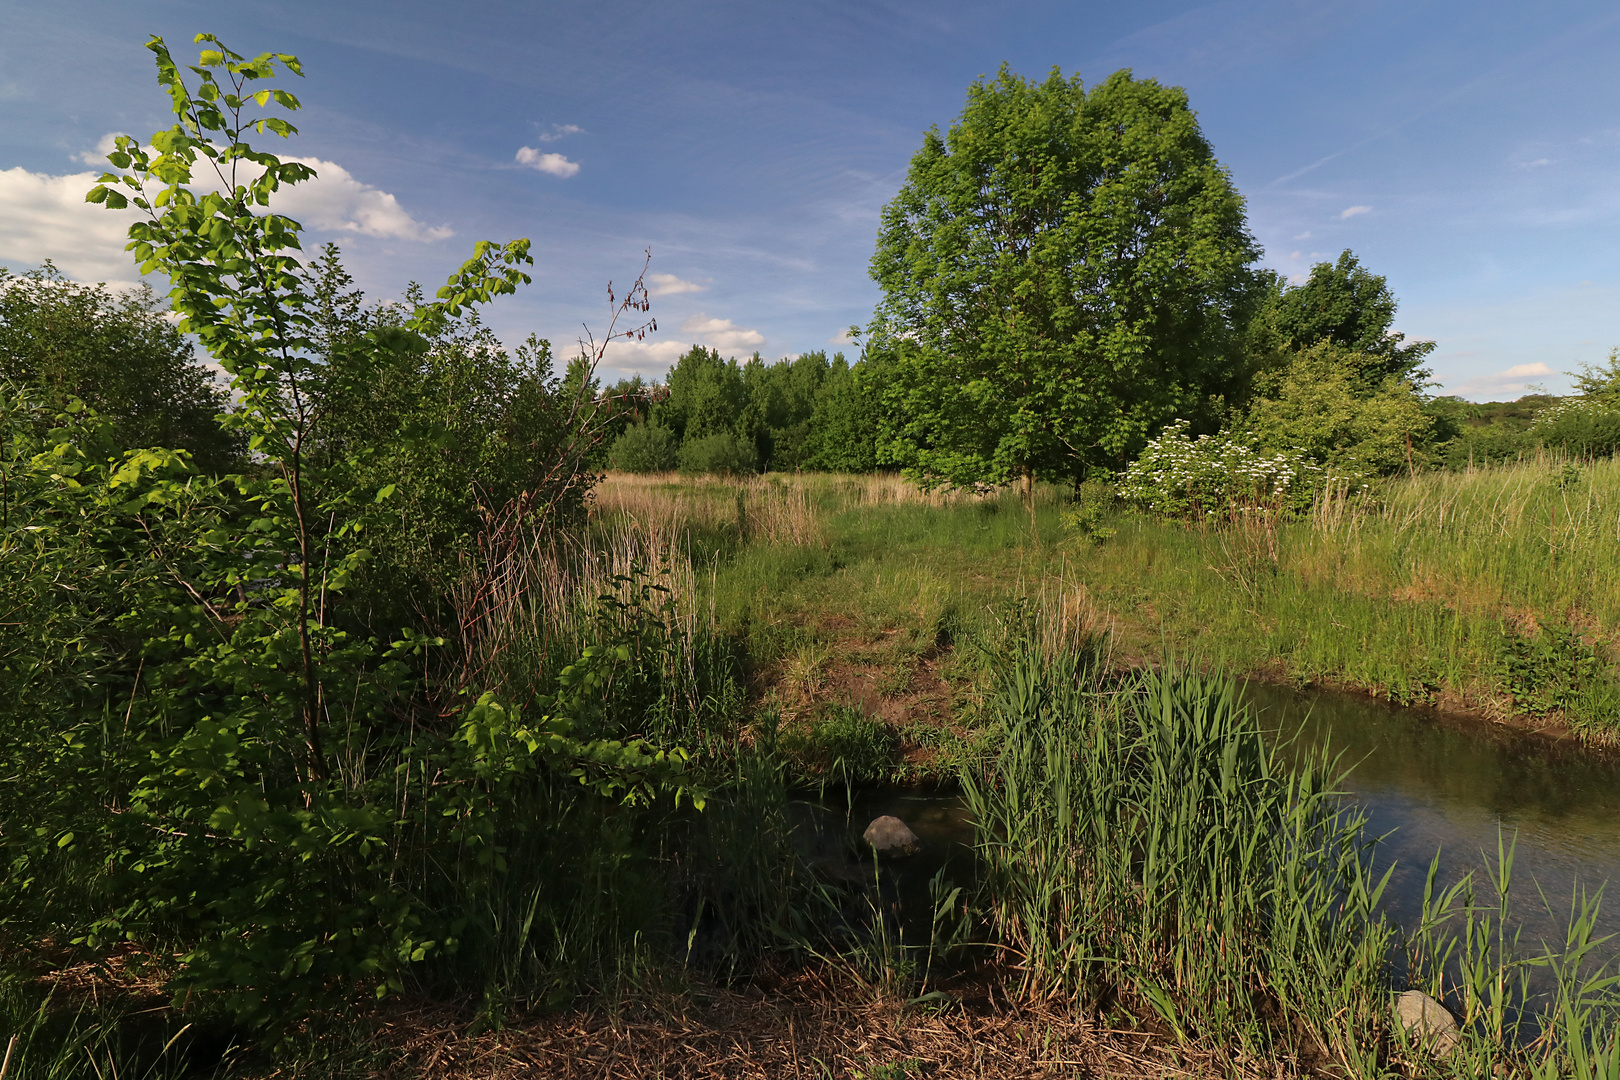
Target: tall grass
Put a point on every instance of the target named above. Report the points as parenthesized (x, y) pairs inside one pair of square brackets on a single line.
[(1491, 589), (1147, 843), (1145, 848)]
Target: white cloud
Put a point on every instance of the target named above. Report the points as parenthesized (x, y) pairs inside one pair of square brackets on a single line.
[(655, 358), (1537, 163), (97, 158), (842, 337), (1306, 235), (555, 164), (1352, 211), (645, 358), (670, 285), (722, 334), (44, 216), (336, 202), (1513, 382), (560, 131)]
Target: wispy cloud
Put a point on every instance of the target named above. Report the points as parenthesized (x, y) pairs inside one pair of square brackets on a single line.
[(560, 131), (1513, 382), (555, 164), (1306, 235), (670, 285), (1352, 211), (646, 358)]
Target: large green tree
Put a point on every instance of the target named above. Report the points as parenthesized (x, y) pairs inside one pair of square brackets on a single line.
[(1063, 271)]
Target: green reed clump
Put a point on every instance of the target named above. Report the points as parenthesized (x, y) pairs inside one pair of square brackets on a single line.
[(841, 744), (1147, 844)]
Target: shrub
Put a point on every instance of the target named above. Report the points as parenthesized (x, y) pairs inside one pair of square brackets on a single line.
[(1179, 476), (644, 448), (1586, 427), (722, 453)]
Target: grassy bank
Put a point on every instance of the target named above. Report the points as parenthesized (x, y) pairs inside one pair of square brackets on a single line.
[(1490, 591)]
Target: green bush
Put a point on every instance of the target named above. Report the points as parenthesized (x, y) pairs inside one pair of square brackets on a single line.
[(721, 453), (1179, 476), (1581, 426), (644, 448)]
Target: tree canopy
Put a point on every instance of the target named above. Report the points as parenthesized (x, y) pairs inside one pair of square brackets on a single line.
[(1063, 271), (118, 353), (1344, 303)]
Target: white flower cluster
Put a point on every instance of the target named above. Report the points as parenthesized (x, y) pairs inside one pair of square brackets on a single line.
[(1568, 409), (1179, 476)]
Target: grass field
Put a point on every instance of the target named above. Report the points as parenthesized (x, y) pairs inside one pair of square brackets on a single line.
[(1492, 590)]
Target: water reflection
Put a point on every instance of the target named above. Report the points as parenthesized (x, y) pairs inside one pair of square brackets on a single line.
[(1437, 783)]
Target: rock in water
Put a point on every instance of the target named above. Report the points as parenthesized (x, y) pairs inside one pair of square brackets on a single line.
[(1428, 1020), (890, 837)]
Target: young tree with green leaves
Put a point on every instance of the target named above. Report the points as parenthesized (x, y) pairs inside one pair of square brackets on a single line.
[(1063, 271), (1344, 303), (286, 791)]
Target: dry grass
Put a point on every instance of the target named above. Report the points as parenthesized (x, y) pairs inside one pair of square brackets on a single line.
[(771, 510), (547, 592), (812, 1026)]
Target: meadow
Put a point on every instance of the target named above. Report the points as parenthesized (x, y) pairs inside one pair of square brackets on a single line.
[(1488, 591)]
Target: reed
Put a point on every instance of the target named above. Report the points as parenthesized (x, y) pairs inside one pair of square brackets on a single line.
[(1145, 844), (1146, 849)]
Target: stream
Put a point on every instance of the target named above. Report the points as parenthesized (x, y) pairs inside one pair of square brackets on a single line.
[(1428, 783)]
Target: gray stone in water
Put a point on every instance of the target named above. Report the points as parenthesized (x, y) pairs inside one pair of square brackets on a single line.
[(890, 837), (1428, 1020)]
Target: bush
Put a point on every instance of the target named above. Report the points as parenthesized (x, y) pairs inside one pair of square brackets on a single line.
[(1582, 426), (644, 448), (1179, 476), (721, 453)]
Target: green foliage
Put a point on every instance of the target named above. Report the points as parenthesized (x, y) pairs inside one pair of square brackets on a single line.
[(1552, 670), (116, 352), (1084, 517), (1467, 433), (1179, 476), (1344, 304), (1588, 424), (238, 765), (721, 453), (644, 448), (1063, 272), (456, 426), (1343, 412), (782, 398), (706, 396), (841, 744), (842, 435)]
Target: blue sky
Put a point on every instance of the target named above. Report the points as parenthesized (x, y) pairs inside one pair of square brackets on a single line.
[(1469, 152)]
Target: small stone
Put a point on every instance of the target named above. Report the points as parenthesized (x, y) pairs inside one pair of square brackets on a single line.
[(889, 837), (1429, 1020)]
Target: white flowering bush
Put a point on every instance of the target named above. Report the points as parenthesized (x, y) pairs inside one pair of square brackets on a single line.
[(1179, 476), (1587, 425)]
